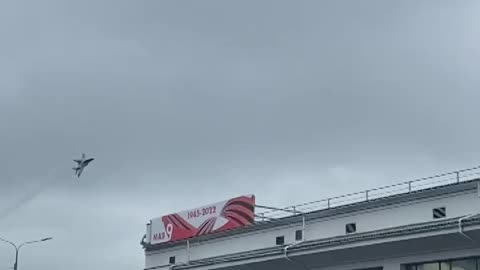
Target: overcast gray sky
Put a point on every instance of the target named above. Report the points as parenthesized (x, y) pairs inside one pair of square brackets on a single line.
[(185, 103)]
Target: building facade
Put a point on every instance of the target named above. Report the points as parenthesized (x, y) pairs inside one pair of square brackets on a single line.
[(429, 227)]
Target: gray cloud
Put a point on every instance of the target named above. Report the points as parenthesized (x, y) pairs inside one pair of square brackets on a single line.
[(189, 103)]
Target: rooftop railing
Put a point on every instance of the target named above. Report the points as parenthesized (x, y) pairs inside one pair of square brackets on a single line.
[(273, 213)]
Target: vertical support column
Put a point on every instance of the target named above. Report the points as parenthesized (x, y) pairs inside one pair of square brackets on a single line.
[(478, 189), (303, 227)]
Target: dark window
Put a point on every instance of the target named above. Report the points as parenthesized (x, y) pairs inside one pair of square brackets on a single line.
[(411, 267), (440, 212), (299, 235), (280, 240), (351, 228), (172, 260)]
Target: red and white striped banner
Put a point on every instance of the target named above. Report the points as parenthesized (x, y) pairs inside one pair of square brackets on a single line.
[(222, 216)]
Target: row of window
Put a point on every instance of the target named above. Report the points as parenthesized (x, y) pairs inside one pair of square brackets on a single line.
[(352, 227), (458, 264), (439, 212), (280, 240)]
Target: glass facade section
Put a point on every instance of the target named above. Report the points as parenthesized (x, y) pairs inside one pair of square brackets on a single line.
[(428, 266), (445, 266), (453, 264), (464, 265)]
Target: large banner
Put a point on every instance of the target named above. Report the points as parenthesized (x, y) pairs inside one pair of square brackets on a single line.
[(222, 216)]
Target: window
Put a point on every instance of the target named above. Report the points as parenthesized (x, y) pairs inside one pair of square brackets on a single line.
[(429, 266), (351, 228), (280, 240), (410, 267), (171, 260), (299, 235), (440, 212), (445, 265)]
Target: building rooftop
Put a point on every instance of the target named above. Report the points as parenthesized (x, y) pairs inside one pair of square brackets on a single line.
[(456, 181)]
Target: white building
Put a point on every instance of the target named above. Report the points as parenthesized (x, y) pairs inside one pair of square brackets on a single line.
[(427, 224)]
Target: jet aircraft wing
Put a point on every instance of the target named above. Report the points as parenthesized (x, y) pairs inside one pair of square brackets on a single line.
[(87, 161)]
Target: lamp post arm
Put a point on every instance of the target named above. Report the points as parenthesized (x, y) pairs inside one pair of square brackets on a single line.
[(27, 243), (6, 241)]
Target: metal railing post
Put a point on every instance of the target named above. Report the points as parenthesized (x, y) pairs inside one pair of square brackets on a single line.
[(366, 195), (458, 177), (188, 250), (328, 203), (409, 186), (478, 189)]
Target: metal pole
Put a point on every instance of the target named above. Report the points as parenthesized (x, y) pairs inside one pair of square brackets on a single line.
[(303, 227), (458, 177), (366, 195), (478, 189), (278, 209), (15, 266), (409, 186)]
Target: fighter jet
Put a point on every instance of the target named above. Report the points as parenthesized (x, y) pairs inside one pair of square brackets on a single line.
[(81, 164)]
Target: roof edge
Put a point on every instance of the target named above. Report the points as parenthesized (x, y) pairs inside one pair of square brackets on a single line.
[(329, 242), (436, 191)]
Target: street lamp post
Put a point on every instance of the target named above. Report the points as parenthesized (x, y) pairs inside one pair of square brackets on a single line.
[(17, 248)]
